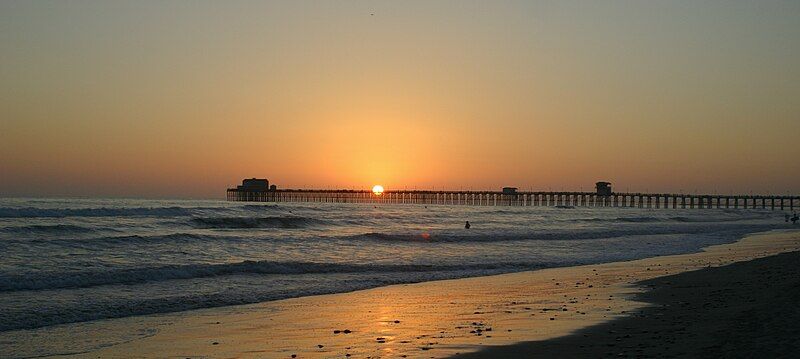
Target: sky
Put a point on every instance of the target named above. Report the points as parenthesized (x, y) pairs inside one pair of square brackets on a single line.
[(183, 99)]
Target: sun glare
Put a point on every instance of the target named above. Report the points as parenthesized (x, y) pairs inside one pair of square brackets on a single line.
[(377, 190)]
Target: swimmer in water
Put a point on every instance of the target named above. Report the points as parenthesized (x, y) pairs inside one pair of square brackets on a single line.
[(466, 226)]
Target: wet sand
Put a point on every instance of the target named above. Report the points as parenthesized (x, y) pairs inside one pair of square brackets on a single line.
[(489, 316), (742, 310)]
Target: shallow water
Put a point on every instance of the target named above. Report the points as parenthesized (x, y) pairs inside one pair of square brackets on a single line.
[(77, 260)]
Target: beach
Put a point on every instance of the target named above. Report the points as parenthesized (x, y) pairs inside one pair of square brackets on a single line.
[(741, 310), (508, 314)]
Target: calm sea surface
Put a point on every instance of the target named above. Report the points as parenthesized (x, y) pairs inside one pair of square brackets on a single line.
[(64, 261)]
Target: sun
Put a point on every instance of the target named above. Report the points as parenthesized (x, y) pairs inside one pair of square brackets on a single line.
[(377, 190)]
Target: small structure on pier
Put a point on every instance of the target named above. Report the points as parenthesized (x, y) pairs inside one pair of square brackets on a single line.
[(253, 189), (254, 185), (603, 188), (509, 190)]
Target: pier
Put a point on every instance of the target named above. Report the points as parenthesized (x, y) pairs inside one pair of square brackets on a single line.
[(504, 198)]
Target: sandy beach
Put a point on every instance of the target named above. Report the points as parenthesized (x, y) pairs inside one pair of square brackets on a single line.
[(590, 310), (742, 310)]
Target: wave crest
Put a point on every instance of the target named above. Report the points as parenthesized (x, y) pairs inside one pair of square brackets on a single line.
[(558, 234), (285, 222), (61, 280), (31, 212), (48, 229)]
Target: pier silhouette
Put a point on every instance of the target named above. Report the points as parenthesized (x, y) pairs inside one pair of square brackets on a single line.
[(603, 197)]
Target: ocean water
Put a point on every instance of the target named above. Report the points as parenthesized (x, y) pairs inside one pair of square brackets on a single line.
[(72, 260)]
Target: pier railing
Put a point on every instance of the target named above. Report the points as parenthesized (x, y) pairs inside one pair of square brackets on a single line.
[(497, 198)]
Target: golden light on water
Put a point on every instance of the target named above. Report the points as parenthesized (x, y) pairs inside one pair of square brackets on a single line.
[(377, 190)]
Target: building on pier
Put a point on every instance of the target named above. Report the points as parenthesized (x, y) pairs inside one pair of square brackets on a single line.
[(253, 189), (603, 188), (254, 185)]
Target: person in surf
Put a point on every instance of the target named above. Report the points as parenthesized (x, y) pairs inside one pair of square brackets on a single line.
[(795, 218), (466, 226)]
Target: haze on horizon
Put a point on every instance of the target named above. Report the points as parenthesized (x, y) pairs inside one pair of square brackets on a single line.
[(183, 99)]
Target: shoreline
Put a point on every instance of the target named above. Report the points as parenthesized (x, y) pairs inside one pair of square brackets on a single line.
[(438, 318)]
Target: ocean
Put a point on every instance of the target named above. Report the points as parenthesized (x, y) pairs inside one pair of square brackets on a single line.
[(78, 260)]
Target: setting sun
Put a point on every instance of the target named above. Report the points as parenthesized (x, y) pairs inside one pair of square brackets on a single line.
[(377, 190)]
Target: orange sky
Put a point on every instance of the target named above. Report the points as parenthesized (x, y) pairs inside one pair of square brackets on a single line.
[(183, 99)]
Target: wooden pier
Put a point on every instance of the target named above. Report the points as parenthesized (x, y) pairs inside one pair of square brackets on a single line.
[(498, 198)]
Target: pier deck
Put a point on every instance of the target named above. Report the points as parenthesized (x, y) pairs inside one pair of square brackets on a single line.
[(498, 198)]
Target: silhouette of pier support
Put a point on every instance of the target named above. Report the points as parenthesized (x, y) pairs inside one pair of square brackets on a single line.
[(524, 199)]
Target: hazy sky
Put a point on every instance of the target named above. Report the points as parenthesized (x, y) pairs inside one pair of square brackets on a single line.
[(182, 99)]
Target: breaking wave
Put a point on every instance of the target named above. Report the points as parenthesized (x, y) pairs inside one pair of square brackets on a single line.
[(259, 208), (646, 219), (31, 212), (562, 235), (48, 229), (173, 238), (62, 280), (286, 222)]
